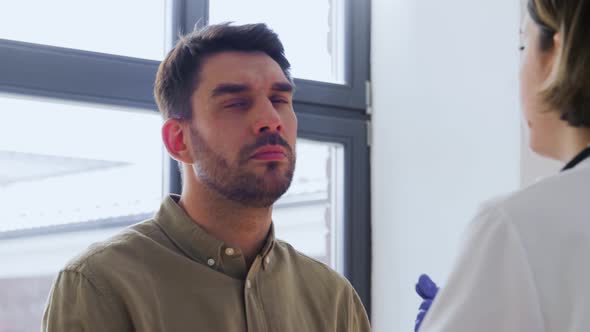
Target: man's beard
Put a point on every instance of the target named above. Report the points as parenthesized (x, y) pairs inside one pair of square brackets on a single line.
[(236, 182)]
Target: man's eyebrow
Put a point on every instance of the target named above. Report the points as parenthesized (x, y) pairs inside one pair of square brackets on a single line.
[(228, 88), (282, 87)]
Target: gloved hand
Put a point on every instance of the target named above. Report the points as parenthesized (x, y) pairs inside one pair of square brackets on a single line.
[(427, 290)]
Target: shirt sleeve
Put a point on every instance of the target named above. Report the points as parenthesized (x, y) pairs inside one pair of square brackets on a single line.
[(76, 304), (491, 287)]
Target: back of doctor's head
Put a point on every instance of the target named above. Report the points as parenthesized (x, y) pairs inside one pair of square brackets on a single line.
[(567, 89)]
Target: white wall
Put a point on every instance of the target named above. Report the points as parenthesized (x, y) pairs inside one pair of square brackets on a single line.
[(446, 136)]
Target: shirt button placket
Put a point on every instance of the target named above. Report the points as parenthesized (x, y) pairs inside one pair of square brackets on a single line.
[(230, 251), (210, 262)]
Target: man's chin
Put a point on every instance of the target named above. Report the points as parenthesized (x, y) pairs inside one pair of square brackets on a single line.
[(270, 166), (266, 185), (276, 188), (264, 198), (271, 170)]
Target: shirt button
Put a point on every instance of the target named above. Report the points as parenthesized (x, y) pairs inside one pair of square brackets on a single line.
[(230, 251), (267, 260), (210, 262), (248, 284)]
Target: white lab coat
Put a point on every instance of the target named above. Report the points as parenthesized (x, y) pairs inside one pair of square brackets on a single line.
[(525, 263)]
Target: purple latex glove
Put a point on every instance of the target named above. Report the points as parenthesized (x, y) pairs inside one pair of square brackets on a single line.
[(427, 290)]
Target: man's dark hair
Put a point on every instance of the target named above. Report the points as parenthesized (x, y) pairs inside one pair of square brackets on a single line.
[(178, 74)]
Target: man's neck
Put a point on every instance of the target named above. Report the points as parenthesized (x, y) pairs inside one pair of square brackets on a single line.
[(238, 226)]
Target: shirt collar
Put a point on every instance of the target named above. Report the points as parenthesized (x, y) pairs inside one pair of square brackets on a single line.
[(581, 157), (201, 246)]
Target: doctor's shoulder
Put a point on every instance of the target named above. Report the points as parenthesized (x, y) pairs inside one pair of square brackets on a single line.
[(542, 207)]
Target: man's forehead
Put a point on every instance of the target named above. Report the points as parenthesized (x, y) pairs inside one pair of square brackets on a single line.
[(233, 88), (240, 67)]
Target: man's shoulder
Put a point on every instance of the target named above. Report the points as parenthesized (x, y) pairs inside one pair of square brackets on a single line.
[(113, 250), (323, 273), (320, 286)]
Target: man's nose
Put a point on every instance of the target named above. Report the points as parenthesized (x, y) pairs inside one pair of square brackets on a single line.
[(268, 119)]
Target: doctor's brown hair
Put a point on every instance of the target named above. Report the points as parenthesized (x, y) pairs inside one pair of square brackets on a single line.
[(178, 74), (567, 89)]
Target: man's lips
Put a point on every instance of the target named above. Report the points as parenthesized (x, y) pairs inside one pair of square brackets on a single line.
[(270, 153)]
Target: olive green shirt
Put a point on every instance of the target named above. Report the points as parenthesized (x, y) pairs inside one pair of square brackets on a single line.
[(168, 274)]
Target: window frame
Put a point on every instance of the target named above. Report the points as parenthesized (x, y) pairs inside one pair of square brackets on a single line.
[(352, 133), (327, 112), (350, 96)]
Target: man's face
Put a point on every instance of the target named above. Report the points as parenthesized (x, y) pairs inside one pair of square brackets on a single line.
[(244, 128)]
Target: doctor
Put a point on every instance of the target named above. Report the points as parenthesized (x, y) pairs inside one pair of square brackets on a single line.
[(525, 263)]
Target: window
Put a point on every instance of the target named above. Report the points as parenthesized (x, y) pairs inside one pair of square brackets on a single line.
[(66, 86), (314, 45), (72, 174), (106, 26), (76, 163), (310, 215)]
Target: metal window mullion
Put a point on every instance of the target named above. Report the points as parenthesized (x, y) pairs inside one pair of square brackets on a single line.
[(185, 16), (70, 74), (195, 14), (351, 133)]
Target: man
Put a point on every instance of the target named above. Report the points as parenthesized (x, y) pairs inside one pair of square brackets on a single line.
[(208, 260)]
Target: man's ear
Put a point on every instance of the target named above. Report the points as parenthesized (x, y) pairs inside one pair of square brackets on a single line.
[(175, 137)]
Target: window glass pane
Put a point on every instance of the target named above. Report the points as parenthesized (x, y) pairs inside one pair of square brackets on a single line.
[(133, 28), (28, 265), (21, 305), (310, 215), (68, 163), (312, 31), (71, 174)]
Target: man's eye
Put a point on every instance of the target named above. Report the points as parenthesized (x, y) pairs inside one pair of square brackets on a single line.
[(239, 104), (279, 101)]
